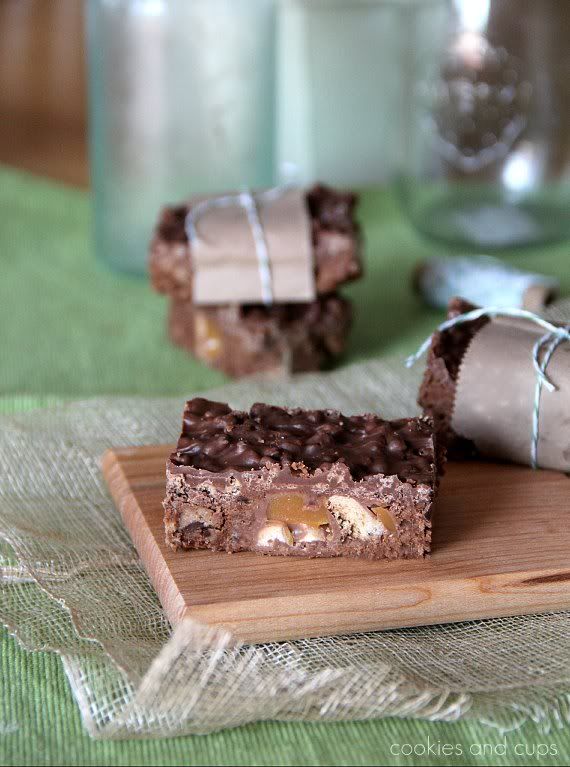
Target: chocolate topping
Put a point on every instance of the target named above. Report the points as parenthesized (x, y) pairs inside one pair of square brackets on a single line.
[(216, 438), (332, 209)]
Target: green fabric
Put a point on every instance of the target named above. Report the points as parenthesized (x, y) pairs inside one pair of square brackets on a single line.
[(69, 328), (40, 724)]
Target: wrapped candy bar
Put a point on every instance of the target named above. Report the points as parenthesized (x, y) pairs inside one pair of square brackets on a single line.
[(253, 278), (497, 384)]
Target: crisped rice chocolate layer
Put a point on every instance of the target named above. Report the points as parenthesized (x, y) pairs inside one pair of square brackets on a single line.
[(217, 438), (437, 391)]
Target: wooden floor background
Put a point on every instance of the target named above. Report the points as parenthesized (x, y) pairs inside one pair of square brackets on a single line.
[(43, 92)]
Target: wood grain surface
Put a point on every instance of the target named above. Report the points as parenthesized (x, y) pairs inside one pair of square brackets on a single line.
[(501, 547), (43, 89)]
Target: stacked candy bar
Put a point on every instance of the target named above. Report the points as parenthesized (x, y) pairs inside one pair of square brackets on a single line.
[(281, 337)]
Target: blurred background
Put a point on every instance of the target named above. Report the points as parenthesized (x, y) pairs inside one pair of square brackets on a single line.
[(451, 118), (464, 103), (43, 88)]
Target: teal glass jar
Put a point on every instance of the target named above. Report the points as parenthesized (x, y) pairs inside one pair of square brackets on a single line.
[(181, 102)]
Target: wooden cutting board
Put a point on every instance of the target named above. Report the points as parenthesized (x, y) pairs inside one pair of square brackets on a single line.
[(501, 547)]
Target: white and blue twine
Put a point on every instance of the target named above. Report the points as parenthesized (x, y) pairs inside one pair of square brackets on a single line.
[(249, 202)]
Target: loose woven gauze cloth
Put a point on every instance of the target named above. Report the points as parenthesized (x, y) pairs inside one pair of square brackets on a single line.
[(72, 584)]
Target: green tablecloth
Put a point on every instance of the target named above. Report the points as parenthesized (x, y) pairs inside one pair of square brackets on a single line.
[(68, 328)]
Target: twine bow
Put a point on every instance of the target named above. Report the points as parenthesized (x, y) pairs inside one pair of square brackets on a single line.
[(249, 202), (542, 353)]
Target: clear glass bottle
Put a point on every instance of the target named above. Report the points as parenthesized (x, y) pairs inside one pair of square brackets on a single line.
[(181, 102), (341, 70), (487, 150)]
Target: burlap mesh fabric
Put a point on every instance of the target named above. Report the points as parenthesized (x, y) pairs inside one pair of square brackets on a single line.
[(72, 584)]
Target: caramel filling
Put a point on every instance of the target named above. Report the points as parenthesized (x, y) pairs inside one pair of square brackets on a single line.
[(291, 509), (307, 522), (208, 338)]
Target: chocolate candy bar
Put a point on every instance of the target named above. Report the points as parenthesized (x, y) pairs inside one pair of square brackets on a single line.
[(335, 237), (284, 338), (311, 483)]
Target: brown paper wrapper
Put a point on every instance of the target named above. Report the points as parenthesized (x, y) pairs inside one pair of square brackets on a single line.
[(537, 296), (495, 394), (226, 267)]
